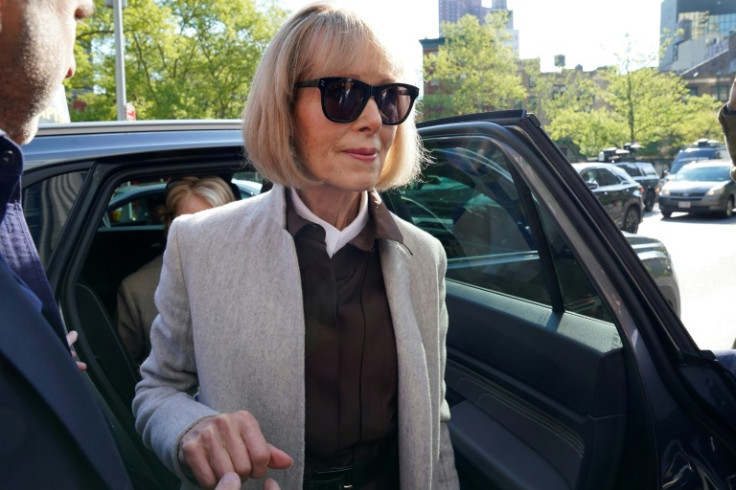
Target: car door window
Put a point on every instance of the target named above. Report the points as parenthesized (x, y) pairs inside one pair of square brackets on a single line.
[(470, 200), (605, 177), (46, 206)]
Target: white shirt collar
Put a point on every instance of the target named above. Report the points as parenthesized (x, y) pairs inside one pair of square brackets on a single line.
[(334, 239)]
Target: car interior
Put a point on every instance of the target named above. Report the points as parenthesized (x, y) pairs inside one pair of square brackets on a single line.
[(536, 373)]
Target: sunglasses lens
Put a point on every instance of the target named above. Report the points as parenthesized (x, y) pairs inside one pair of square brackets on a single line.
[(343, 100), (394, 104)]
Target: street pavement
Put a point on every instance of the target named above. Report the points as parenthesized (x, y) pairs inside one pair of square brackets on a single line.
[(703, 250)]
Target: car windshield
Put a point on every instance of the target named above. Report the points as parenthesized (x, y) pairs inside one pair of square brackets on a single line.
[(690, 155), (697, 173)]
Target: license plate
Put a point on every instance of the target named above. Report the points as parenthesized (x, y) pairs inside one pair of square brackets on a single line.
[(683, 204)]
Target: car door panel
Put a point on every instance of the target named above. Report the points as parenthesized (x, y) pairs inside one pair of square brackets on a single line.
[(533, 357), (550, 386)]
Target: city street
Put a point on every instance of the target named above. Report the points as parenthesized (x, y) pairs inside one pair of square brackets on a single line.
[(703, 250)]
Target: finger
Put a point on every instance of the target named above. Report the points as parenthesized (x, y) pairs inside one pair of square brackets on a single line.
[(81, 366), (196, 455), (72, 337), (230, 481), (279, 460), (215, 441), (238, 453), (256, 446), (270, 484)]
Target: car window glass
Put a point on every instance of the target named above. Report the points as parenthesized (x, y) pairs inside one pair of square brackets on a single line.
[(469, 200), (605, 177), (137, 204), (649, 170), (46, 209), (631, 169)]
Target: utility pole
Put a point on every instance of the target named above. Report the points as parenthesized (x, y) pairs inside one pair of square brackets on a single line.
[(118, 6)]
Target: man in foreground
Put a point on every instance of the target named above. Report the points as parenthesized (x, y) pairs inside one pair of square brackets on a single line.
[(53, 433)]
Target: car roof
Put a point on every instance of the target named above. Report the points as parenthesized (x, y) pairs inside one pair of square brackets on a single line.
[(579, 166), (58, 142), (709, 163)]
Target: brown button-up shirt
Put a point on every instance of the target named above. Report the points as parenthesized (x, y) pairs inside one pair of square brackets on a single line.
[(351, 362)]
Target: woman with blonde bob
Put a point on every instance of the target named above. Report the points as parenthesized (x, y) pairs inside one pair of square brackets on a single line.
[(301, 333)]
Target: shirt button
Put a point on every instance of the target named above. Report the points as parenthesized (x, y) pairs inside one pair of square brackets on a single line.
[(7, 157)]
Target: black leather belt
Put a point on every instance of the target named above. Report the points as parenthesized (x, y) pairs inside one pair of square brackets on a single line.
[(355, 476)]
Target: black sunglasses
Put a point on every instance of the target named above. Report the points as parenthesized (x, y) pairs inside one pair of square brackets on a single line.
[(343, 99)]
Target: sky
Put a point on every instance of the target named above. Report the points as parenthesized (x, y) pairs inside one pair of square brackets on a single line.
[(590, 33)]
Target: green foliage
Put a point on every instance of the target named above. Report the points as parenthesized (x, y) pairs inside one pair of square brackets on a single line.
[(646, 106), (183, 58), (474, 70)]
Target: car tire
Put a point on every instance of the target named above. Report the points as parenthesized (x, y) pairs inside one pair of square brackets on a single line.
[(631, 220), (666, 213), (649, 200), (728, 212)]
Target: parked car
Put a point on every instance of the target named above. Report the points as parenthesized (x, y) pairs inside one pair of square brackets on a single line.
[(620, 195), (568, 366), (646, 175), (703, 149), (700, 187)]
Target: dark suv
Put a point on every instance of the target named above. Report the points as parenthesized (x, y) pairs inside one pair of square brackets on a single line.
[(703, 149), (645, 174)]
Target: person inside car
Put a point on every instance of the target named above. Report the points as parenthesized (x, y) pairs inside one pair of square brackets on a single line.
[(309, 321), (54, 434), (136, 309)]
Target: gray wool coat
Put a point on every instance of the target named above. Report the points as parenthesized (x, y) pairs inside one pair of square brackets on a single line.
[(231, 329)]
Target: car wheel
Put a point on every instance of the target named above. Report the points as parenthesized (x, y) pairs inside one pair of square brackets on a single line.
[(728, 212), (666, 212), (631, 220), (649, 200)]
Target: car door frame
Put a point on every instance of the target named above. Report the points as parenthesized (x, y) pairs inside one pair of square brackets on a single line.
[(672, 375)]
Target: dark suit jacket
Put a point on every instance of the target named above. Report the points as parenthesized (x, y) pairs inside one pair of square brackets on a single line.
[(53, 433)]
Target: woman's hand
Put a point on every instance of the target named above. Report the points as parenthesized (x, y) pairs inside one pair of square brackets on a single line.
[(72, 337), (230, 442)]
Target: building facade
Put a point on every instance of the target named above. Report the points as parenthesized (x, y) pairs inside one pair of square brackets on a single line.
[(454, 10), (694, 31)]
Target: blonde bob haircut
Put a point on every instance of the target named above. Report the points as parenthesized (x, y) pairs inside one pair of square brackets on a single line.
[(319, 40), (212, 189)]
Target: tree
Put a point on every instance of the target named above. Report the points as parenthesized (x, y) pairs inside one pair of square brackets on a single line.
[(657, 108), (612, 107), (184, 58), (474, 70)]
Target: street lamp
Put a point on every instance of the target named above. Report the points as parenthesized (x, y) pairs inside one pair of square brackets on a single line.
[(118, 6)]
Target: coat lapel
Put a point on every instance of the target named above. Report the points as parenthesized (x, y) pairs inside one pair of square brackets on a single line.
[(415, 420), (29, 343)]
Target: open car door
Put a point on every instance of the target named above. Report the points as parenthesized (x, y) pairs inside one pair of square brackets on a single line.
[(567, 367)]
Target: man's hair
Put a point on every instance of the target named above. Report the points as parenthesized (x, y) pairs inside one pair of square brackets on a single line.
[(214, 190), (331, 39)]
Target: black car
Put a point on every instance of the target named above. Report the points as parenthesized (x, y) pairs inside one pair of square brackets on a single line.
[(703, 149), (617, 191), (700, 188), (646, 175), (568, 367)]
